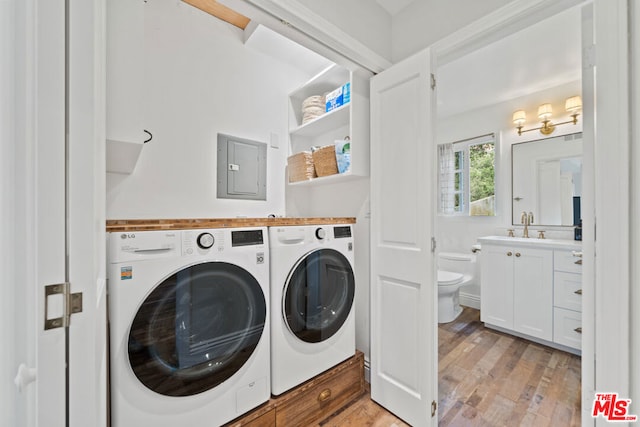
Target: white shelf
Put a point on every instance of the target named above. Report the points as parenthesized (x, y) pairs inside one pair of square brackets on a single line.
[(327, 180), (122, 156), (351, 119), (325, 123), (329, 79)]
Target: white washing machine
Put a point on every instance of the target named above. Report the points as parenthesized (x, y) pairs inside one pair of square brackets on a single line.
[(189, 325), (312, 310)]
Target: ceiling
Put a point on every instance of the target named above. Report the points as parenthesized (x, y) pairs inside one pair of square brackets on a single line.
[(394, 6), (543, 56), (540, 57), (285, 50)]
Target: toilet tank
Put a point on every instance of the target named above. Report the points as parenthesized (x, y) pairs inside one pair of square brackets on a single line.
[(459, 263)]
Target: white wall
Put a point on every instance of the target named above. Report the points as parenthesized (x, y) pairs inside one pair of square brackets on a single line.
[(201, 80), (457, 234), (364, 20), (424, 22)]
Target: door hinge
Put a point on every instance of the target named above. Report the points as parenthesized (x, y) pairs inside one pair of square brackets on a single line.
[(434, 408), (433, 244), (72, 304), (433, 81)]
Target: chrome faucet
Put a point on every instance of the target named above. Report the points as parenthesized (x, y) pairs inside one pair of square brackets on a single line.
[(526, 219)]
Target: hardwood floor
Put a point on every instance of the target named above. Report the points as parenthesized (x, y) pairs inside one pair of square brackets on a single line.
[(487, 378)]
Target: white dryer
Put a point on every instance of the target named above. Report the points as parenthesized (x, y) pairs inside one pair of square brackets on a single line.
[(312, 293), (189, 325)]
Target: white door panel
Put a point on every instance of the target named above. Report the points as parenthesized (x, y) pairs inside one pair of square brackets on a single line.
[(59, 234), (399, 301), (86, 215), (403, 295), (48, 165)]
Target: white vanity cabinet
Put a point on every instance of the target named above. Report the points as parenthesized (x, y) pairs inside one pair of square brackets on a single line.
[(517, 289), (532, 288), (567, 299)]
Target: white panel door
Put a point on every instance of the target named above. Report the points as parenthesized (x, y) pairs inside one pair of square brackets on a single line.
[(48, 167), (403, 284), (87, 355), (59, 212)]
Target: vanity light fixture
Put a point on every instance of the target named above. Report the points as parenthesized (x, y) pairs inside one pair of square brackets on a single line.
[(573, 105)]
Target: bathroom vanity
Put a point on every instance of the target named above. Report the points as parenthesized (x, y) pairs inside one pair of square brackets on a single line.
[(533, 288)]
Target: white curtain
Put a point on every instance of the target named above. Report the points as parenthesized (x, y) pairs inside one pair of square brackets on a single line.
[(446, 167)]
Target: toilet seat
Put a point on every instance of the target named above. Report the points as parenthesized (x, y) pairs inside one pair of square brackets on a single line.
[(446, 278)]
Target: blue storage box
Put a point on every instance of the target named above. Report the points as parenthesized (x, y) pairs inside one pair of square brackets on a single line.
[(338, 97)]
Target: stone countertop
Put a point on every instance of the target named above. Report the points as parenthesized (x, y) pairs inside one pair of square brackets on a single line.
[(191, 223), (532, 242)]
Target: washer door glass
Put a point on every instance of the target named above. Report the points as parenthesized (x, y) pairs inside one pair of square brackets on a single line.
[(319, 295), (196, 329)]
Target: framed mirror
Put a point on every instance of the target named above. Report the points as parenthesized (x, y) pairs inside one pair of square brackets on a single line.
[(546, 177)]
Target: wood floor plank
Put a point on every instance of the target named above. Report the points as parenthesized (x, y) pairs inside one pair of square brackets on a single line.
[(488, 378)]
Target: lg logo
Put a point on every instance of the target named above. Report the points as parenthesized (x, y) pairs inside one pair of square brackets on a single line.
[(127, 236)]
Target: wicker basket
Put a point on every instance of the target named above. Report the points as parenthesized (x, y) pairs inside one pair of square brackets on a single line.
[(300, 167), (324, 159)]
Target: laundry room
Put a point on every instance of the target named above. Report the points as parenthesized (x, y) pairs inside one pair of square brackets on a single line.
[(266, 213), (203, 90)]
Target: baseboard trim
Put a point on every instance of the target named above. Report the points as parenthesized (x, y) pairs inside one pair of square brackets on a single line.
[(470, 300), (367, 370)]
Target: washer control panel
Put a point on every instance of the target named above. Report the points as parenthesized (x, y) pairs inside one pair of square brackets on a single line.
[(210, 241)]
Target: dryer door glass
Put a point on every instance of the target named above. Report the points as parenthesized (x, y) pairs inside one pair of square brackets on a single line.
[(319, 295), (197, 328)]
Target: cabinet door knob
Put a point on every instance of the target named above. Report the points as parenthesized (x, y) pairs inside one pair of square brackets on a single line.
[(578, 292), (324, 395), (518, 254), (509, 253), (578, 330), (579, 262)]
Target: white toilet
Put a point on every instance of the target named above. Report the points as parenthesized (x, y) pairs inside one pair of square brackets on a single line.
[(454, 270)]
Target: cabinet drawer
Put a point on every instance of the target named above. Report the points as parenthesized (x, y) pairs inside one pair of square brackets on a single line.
[(322, 396), (567, 290), (565, 261), (567, 328)]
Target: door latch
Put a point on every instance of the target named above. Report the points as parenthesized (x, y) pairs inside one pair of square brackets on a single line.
[(72, 304)]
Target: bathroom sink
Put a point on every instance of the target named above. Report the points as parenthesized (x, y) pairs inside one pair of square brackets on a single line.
[(532, 242)]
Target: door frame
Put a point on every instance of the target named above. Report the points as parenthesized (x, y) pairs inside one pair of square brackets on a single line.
[(607, 139)]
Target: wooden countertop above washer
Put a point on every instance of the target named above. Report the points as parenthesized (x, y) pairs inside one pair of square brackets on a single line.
[(181, 224)]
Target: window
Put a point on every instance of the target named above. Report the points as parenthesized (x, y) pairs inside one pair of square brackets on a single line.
[(466, 177)]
